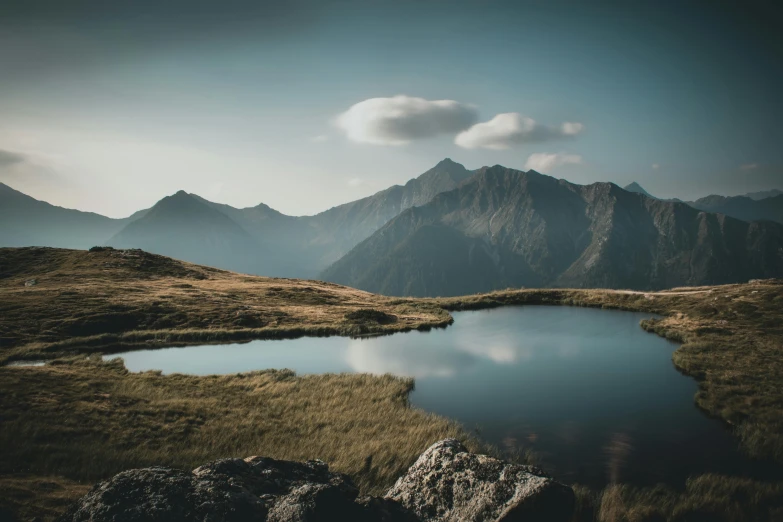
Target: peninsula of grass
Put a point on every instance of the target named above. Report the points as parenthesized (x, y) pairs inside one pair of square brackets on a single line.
[(78, 419)]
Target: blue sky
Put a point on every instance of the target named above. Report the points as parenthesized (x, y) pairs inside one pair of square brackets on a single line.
[(110, 106)]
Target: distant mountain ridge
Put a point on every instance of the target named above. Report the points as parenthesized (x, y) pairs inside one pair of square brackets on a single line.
[(185, 227), (743, 207), (26, 221), (448, 231), (764, 194), (513, 228), (257, 239), (756, 206)]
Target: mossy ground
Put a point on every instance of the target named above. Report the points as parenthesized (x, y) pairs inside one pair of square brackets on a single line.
[(65, 425)]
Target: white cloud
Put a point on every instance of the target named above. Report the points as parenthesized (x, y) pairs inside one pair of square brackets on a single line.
[(571, 128), (401, 119), (355, 182), (546, 161), (749, 166), (320, 138), (511, 128), (655, 166)]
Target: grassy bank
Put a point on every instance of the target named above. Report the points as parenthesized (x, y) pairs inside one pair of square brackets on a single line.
[(57, 302), (83, 420), (68, 424)]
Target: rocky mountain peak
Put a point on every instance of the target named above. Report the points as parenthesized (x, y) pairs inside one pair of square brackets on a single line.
[(637, 189)]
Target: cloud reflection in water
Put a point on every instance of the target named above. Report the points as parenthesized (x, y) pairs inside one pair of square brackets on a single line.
[(421, 360)]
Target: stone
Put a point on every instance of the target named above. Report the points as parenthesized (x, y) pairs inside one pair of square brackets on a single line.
[(226, 490), (448, 483)]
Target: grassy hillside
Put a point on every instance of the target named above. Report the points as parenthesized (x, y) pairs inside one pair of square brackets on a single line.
[(78, 419), (113, 299)]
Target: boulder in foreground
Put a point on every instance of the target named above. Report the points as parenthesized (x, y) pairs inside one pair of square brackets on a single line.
[(447, 483)]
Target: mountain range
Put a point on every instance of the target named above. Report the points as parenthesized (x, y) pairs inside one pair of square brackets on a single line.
[(258, 240), (448, 231), (508, 228), (754, 206), (26, 221)]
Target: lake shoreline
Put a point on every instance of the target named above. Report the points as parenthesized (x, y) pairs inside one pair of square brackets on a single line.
[(731, 344)]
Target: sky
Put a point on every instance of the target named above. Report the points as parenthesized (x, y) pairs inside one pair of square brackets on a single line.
[(307, 104)]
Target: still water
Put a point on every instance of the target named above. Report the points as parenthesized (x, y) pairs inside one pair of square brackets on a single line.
[(594, 396)]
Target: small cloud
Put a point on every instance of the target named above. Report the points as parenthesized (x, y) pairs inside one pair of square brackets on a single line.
[(355, 182), (571, 128), (545, 161), (10, 158), (511, 128), (320, 138), (749, 166), (401, 119), (29, 172), (655, 166)]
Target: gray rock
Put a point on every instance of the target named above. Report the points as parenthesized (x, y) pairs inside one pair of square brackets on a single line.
[(447, 483), (254, 489), (315, 502)]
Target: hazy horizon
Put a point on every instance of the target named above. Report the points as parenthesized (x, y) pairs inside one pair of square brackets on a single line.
[(307, 105), (346, 201)]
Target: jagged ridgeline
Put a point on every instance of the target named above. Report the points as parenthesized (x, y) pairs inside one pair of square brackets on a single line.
[(449, 231), (507, 228)]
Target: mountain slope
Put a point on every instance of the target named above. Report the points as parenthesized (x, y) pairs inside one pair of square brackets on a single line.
[(306, 245), (743, 207), (184, 227), (189, 227), (510, 228), (337, 230), (26, 221)]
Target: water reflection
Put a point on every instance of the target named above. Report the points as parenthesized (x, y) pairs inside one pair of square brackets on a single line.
[(443, 360), (617, 452), (408, 361), (587, 391)]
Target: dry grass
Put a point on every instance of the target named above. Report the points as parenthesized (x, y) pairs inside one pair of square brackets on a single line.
[(705, 498), (120, 299), (82, 420)]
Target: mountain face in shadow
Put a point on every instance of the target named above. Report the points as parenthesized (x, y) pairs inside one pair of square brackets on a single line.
[(335, 231), (25, 221), (743, 207), (510, 228)]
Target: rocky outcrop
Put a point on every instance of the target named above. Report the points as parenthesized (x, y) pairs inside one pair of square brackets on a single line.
[(227, 490), (447, 483)]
